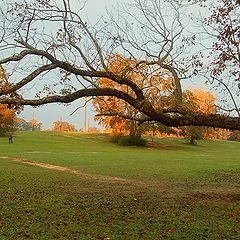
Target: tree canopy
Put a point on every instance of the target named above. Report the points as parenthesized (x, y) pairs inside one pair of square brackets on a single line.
[(7, 112), (63, 126), (50, 47)]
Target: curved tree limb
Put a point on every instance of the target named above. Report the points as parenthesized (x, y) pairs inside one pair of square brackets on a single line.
[(194, 119)]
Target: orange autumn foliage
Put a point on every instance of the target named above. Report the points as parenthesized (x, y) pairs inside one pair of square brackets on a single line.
[(199, 101), (158, 88), (153, 82), (117, 64), (62, 126), (7, 115)]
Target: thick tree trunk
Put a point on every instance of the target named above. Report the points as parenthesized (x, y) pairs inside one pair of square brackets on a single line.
[(193, 140)]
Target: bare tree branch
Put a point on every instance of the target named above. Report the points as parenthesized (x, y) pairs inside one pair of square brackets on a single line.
[(43, 37)]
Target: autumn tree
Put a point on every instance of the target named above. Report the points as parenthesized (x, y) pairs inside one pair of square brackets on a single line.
[(62, 126), (198, 101), (50, 47), (7, 119), (111, 111), (109, 108), (234, 136), (23, 125), (219, 60), (7, 113), (35, 125), (224, 22)]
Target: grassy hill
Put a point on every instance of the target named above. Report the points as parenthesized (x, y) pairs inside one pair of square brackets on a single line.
[(81, 186)]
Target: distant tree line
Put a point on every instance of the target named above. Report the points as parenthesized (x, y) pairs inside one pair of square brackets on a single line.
[(122, 119), (23, 125), (63, 126), (49, 44)]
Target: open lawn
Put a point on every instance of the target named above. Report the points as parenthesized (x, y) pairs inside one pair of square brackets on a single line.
[(81, 186)]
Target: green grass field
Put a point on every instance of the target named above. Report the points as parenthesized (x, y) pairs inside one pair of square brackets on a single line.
[(100, 190)]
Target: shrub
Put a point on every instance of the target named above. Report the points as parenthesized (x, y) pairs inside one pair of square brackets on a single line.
[(129, 141), (115, 139), (232, 138)]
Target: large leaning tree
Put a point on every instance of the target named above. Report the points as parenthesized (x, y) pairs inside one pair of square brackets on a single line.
[(52, 54)]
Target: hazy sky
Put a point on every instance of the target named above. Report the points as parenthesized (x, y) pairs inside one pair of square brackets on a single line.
[(49, 113)]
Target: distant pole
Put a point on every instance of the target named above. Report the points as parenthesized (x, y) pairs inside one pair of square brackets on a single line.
[(61, 124), (33, 120), (88, 124), (85, 115)]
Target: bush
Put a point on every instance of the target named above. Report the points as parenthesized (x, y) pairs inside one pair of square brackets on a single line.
[(232, 138), (115, 139), (129, 141)]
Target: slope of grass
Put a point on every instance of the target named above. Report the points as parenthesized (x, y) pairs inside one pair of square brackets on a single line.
[(189, 192), (95, 154)]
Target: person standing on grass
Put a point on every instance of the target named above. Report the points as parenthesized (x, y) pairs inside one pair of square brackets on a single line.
[(10, 137)]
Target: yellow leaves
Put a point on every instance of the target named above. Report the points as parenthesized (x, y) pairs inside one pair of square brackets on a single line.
[(63, 126), (2, 73), (3, 79), (20, 120), (156, 83), (199, 101), (34, 123), (7, 116), (121, 65)]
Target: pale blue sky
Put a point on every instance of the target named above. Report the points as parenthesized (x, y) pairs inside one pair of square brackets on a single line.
[(49, 113)]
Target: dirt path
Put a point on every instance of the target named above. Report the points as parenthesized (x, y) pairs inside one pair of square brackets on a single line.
[(95, 177)]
